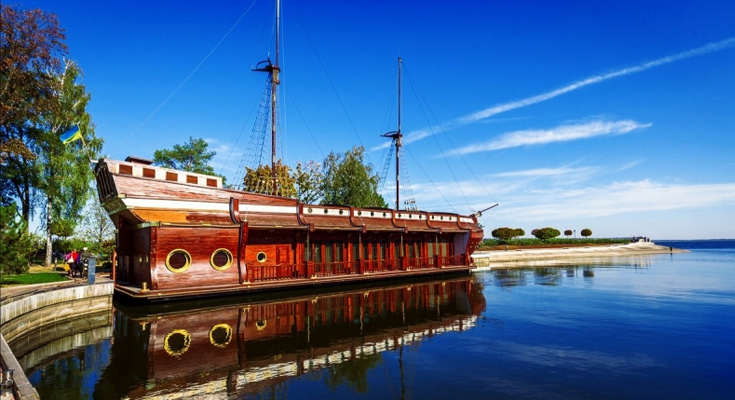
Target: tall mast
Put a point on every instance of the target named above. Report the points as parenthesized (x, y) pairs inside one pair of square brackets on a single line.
[(273, 70), (274, 85), (398, 141), (396, 135)]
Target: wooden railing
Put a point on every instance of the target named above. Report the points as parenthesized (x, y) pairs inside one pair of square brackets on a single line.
[(260, 273), (336, 268)]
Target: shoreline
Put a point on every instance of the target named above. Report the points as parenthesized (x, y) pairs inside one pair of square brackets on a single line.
[(505, 258)]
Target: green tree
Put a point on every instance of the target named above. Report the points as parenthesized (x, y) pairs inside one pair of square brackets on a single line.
[(518, 232), (97, 227), (546, 233), (568, 232), (16, 244), (192, 157), (308, 181), (506, 234), (260, 180), (349, 181), (41, 98), (66, 177), (586, 232), (30, 56)]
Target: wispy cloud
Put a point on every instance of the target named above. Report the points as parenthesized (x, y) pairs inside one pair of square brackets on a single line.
[(630, 165), (561, 133), (513, 105), (546, 172), (488, 112), (620, 198)]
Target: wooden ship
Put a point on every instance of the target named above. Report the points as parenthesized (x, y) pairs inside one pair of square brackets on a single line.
[(182, 234), (225, 350)]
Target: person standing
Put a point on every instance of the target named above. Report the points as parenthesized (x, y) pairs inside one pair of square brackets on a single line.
[(68, 261), (74, 261)]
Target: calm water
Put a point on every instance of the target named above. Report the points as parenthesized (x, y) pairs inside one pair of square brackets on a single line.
[(637, 328)]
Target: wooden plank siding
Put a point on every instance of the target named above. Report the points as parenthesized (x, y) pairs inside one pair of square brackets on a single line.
[(181, 234)]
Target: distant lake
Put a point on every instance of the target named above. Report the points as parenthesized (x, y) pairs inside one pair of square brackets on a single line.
[(648, 327)]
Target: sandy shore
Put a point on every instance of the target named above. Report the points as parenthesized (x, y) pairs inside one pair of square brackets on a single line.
[(499, 258)]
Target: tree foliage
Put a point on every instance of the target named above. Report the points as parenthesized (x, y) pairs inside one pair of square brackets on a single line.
[(192, 157), (260, 180), (349, 181), (586, 232), (40, 98), (568, 232), (30, 49), (97, 227), (546, 233), (308, 180), (507, 234), (16, 244)]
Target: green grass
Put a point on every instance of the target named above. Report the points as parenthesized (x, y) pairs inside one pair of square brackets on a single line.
[(570, 241), (27, 279)]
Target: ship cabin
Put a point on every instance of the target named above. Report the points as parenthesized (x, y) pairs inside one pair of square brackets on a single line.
[(182, 234)]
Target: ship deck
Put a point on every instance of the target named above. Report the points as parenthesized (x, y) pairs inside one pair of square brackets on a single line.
[(136, 293)]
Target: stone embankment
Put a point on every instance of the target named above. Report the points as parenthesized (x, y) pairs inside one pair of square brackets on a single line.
[(504, 259), (28, 310)]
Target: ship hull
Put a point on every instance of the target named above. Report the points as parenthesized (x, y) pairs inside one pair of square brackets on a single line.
[(182, 235)]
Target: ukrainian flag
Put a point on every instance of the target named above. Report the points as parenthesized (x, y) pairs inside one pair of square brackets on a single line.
[(71, 135)]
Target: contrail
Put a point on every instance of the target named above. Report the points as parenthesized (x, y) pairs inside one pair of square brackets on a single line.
[(488, 112)]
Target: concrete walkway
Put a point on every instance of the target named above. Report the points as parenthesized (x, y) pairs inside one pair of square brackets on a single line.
[(490, 258)]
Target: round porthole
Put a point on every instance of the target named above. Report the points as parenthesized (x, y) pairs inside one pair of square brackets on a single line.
[(372, 213), (326, 211), (399, 215), (261, 257), (384, 214), (359, 213), (260, 324), (177, 342), (442, 218), (178, 261), (220, 335), (221, 259), (341, 212), (310, 210)]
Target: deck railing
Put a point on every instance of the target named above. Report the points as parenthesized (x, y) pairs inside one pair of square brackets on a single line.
[(259, 273), (336, 268)]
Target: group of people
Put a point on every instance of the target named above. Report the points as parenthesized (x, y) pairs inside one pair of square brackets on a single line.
[(76, 261)]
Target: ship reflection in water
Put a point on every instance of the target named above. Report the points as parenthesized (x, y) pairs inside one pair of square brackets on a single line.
[(238, 349)]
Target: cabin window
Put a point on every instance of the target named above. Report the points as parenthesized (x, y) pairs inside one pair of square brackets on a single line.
[(192, 179), (170, 176), (261, 257), (178, 261), (375, 251), (126, 169), (220, 335), (339, 252), (149, 173), (177, 342), (384, 251), (317, 252), (329, 252), (221, 259), (211, 182)]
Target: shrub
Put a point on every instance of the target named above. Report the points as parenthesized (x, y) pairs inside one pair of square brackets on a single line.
[(546, 233), (504, 234)]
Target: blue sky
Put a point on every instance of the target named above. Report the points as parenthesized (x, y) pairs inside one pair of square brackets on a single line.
[(617, 116)]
